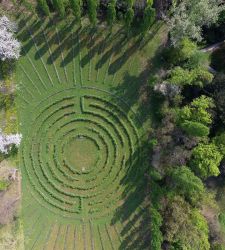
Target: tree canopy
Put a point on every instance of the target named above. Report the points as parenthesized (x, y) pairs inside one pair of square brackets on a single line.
[(188, 17), (205, 160)]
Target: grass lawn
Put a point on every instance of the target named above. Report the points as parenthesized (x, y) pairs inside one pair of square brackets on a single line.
[(84, 119)]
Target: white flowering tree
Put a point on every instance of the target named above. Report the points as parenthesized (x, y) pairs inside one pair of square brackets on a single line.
[(9, 46), (188, 17), (7, 141)]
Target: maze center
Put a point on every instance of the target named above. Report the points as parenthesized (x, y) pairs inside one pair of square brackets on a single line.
[(81, 153)]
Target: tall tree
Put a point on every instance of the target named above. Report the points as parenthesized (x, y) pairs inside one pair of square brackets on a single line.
[(92, 11), (187, 184), (189, 16), (59, 6), (129, 15), (205, 160), (76, 8), (44, 7), (111, 12), (149, 17), (9, 46)]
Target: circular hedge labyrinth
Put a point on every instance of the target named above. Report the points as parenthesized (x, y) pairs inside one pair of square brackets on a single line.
[(79, 152)]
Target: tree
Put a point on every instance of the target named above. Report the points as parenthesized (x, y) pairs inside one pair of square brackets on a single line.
[(76, 8), (219, 141), (184, 227), (149, 18), (111, 12), (44, 7), (9, 46), (7, 141), (188, 17), (196, 118), (129, 16), (205, 160), (59, 6), (198, 76), (187, 184), (198, 111), (92, 11), (180, 53), (196, 129)]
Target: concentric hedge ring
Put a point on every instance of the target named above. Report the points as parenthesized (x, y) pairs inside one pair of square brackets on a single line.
[(78, 150)]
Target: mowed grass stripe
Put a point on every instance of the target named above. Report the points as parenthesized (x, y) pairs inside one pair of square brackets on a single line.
[(33, 39), (61, 52)]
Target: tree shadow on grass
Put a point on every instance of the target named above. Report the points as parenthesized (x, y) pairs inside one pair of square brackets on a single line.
[(133, 213), (135, 90)]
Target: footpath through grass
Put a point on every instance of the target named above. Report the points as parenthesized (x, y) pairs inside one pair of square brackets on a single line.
[(81, 101)]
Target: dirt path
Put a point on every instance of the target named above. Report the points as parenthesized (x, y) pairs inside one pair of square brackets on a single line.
[(213, 47)]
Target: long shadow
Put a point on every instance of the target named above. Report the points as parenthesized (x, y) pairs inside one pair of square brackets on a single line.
[(136, 91), (133, 213), (117, 64), (116, 48)]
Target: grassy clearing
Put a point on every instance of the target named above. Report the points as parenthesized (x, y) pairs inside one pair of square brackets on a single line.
[(88, 193)]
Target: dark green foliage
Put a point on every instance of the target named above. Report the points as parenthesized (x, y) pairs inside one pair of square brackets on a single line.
[(92, 11), (129, 16), (186, 55), (217, 246), (218, 59), (193, 128), (148, 19), (111, 12), (59, 6), (44, 7), (76, 8), (184, 50), (156, 234), (186, 183)]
